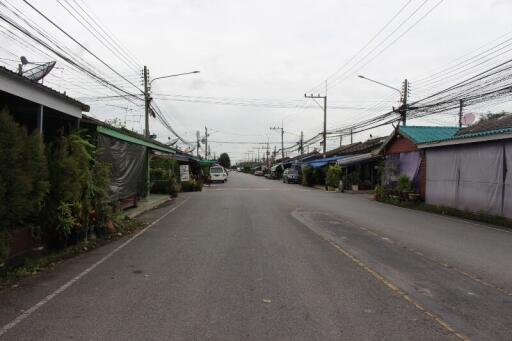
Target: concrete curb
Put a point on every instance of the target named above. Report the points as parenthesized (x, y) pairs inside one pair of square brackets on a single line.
[(149, 207)]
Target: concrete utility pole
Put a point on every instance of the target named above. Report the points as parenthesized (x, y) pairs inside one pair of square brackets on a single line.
[(403, 109), (147, 103), (206, 143), (325, 120), (282, 139), (301, 143), (461, 105)]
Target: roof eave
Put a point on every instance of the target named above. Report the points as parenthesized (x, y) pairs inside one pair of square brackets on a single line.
[(462, 140)]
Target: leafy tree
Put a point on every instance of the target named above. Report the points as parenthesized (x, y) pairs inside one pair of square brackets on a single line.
[(224, 160), (333, 176), (23, 178)]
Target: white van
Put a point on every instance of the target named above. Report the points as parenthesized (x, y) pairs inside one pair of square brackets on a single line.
[(218, 173)]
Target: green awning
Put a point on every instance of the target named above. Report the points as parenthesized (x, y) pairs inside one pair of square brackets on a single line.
[(208, 162), (275, 167), (132, 139)]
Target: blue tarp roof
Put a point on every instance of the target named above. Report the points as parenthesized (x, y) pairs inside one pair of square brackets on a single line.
[(318, 163)]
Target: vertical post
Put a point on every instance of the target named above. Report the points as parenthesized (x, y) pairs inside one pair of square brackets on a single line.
[(39, 119), (403, 112), (325, 125), (206, 143), (146, 128), (461, 104), (282, 142), (351, 136), (341, 140), (301, 143)]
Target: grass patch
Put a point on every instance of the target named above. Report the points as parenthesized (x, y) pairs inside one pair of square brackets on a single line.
[(33, 266), (453, 212)]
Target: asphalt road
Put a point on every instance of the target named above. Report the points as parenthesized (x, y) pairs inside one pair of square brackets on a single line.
[(255, 259)]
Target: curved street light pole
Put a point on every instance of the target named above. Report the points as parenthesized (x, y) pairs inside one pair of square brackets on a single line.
[(402, 110), (147, 105)]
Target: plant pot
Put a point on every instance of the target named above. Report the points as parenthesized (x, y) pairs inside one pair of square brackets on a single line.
[(355, 188), (414, 196)]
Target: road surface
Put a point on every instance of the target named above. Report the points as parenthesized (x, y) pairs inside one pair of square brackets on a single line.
[(256, 259)]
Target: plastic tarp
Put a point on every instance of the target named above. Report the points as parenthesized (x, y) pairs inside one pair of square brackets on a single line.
[(410, 164), (467, 177), (442, 177), (322, 162), (507, 198), (481, 178), (127, 166)]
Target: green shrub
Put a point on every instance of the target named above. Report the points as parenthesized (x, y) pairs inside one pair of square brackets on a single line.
[(78, 197), (163, 176), (333, 176), (404, 184), (23, 178), (191, 186), (307, 176)]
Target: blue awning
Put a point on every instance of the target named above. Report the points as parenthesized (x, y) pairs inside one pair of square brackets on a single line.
[(319, 163)]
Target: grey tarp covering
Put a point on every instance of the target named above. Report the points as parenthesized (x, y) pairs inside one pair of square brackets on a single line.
[(127, 166), (442, 177), (467, 177), (507, 199)]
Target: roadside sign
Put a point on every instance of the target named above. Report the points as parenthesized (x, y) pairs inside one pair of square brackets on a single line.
[(184, 173)]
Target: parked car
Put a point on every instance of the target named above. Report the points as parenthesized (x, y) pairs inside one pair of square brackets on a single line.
[(290, 175), (218, 173), (258, 173)]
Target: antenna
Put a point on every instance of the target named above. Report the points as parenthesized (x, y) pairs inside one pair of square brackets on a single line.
[(36, 73)]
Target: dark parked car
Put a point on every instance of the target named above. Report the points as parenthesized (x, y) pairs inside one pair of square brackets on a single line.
[(291, 175)]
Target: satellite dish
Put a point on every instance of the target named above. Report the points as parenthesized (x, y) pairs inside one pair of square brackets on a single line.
[(39, 72), (468, 119)]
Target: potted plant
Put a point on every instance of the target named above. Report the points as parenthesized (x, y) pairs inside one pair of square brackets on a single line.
[(404, 186), (379, 193), (353, 179)]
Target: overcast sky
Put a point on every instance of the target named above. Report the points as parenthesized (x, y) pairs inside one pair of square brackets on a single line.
[(276, 50)]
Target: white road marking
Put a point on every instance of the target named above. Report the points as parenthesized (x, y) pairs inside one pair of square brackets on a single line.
[(75, 279)]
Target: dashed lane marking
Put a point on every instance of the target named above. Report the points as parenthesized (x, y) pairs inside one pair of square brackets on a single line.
[(75, 279)]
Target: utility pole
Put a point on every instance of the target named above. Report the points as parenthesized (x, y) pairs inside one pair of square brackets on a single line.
[(147, 102), (325, 120), (341, 140), (198, 143), (403, 109), (461, 105), (206, 143), (301, 143), (351, 136), (282, 139)]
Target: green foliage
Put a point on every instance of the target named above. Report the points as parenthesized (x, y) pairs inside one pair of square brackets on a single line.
[(23, 178), (163, 176), (333, 176), (78, 197), (224, 160), (353, 178), (379, 190), (404, 184), (191, 186), (307, 176)]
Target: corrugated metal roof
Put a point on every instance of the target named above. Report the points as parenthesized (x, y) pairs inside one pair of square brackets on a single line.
[(124, 137), (51, 91), (424, 134)]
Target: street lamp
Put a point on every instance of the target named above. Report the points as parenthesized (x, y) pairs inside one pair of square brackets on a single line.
[(402, 110), (147, 104), (377, 82), (175, 75)]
